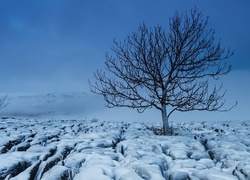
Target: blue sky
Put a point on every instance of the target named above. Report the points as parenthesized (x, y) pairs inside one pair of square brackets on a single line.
[(55, 45)]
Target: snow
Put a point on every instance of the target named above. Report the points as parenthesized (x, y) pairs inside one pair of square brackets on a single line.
[(80, 149)]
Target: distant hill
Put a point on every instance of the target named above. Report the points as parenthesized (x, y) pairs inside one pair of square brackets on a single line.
[(53, 105)]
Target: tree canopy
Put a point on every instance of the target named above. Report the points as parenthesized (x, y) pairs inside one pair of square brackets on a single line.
[(166, 70)]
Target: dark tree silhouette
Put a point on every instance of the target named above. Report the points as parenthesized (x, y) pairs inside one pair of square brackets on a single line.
[(3, 102), (169, 71)]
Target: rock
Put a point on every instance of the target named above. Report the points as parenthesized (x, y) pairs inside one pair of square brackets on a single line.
[(178, 175), (242, 170), (58, 172)]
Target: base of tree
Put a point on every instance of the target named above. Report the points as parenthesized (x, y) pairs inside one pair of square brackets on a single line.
[(160, 132)]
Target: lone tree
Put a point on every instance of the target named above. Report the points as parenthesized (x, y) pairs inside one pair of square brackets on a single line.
[(169, 71), (3, 102)]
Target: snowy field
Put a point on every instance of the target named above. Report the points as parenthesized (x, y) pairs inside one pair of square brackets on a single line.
[(79, 150)]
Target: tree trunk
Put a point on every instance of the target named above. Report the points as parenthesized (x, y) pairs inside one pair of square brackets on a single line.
[(166, 129)]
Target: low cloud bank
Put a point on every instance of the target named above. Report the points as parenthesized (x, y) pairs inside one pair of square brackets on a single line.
[(80, 105), (51, 105)]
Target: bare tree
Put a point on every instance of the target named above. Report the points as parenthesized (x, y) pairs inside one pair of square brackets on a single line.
[(3, 102), (169, 71)]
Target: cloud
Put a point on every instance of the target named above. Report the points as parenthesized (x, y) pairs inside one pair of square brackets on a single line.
[(51, 105)]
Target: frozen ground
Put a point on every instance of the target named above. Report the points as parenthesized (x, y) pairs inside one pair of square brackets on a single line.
[(79, 150)]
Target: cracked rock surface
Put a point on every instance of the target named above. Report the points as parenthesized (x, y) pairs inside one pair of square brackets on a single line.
[(73, 149)]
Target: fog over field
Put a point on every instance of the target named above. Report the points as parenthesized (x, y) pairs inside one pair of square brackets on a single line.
[(81, 105)]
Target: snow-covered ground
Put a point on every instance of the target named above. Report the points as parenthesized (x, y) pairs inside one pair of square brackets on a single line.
[(80, 149)]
